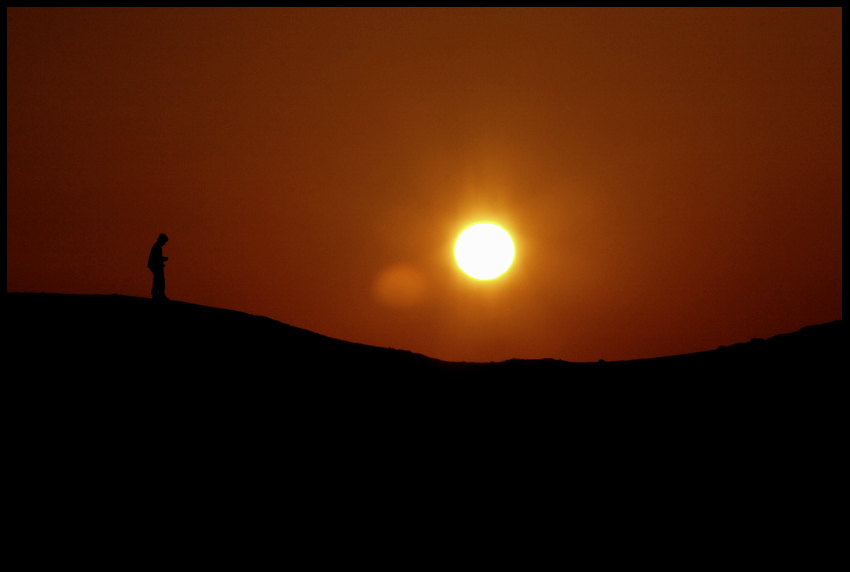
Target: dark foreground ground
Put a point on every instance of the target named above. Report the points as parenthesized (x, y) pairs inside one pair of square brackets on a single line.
[(129, 357), (193, 362), (177, 424), (125, 338)]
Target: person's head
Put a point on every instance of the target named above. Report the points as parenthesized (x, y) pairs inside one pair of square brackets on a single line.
[(162, 239)]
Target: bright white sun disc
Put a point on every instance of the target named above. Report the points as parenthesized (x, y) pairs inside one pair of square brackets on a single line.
[(484, 251)]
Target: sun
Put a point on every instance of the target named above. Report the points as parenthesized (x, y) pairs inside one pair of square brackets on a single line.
[(484, 251)]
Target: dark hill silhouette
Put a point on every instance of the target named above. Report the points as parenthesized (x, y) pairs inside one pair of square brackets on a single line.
[(107, 337), (144, 407)]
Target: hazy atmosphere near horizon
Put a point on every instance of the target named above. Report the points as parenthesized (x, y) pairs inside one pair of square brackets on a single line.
[(671, 178)]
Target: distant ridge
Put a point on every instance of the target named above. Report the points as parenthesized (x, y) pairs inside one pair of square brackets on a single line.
[(105, 336)]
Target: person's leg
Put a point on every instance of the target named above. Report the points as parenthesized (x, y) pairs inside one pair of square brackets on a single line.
[(158, 285)]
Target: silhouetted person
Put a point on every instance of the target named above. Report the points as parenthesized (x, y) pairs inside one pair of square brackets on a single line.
[(156, 262)]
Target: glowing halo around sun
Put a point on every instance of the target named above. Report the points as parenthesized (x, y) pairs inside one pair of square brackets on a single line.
[(484, 251)]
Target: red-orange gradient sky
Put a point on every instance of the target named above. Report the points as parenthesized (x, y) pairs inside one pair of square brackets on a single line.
[(672, 178)]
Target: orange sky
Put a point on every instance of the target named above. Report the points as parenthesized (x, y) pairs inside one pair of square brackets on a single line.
[(671, 178)]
